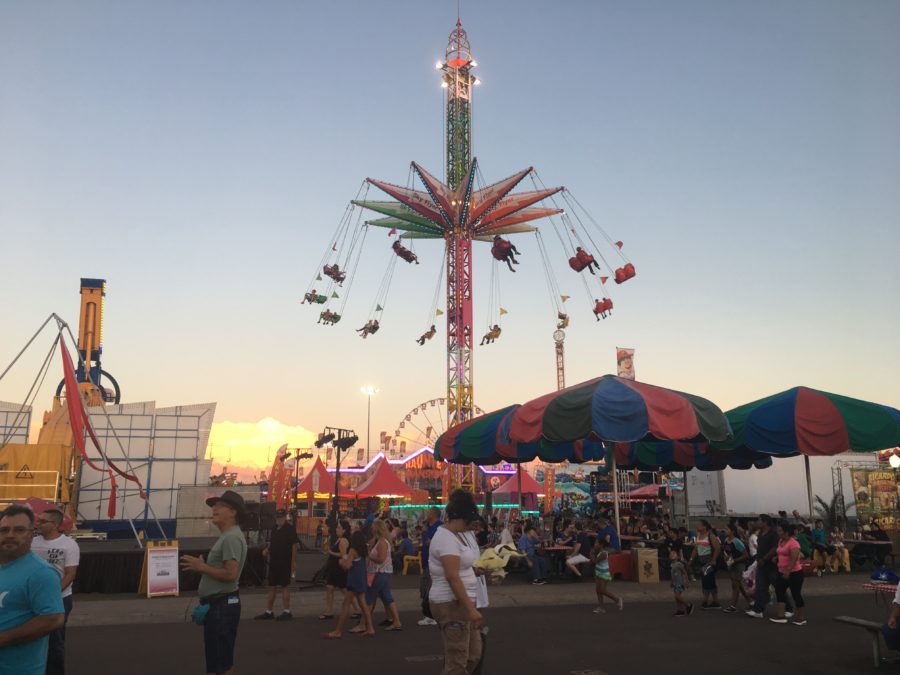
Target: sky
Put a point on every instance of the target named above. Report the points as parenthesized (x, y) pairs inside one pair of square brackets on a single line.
[(199, 156)]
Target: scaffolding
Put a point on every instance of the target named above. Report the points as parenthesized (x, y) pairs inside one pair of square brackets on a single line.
[(165, 448)]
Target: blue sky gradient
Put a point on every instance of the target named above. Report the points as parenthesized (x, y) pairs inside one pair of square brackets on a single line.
[(199, 155)]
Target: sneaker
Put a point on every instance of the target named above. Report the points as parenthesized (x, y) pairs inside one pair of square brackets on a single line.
[(754, 615), (285, 616), (715, 605), (426, 621), (386, 622), (265, 616), (776, 619), (690, 609), (539, 582), (730, 609), (788, 615), (799, 623), (680, 613)]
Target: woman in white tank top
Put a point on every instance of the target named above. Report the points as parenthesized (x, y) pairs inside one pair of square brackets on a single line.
[(379, 569)]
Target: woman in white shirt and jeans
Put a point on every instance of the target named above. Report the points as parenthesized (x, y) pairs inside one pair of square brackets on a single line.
[(454, 585)]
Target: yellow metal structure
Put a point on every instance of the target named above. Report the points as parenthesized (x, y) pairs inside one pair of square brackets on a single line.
[(50, 468)]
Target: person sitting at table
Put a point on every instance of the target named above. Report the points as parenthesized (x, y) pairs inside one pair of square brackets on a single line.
[(405, 547), (609, 535), (579, 548), (529, 544), (841, 556)]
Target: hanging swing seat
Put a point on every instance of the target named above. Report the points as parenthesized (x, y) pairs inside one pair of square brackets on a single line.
[(313, 298), (329, 318), (334, 272), (370, 328), (603, 308), (563, 320), (580, 260), (492, 334), (625, 273), (501, 249), (405, 253), (427, 335)]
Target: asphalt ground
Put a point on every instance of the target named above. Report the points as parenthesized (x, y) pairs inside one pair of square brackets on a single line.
[(539, 640)]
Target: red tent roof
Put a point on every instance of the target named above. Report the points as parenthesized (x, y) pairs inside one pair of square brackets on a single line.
[(318, 480), (529, 486), (383, 483), (646, 491)]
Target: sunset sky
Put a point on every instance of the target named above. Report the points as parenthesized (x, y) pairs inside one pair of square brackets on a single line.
[(199, 157)]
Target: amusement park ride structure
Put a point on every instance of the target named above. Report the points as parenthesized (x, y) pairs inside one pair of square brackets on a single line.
[(462, 209)]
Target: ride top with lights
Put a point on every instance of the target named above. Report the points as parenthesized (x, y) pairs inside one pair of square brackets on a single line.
[(461, 210)]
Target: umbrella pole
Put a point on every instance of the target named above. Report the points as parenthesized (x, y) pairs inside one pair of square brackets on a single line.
[(809, 493), (686, 503), (615, 477), (519, 480)]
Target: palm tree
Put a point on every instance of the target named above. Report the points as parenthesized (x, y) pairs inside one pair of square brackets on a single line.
[(833, 513)]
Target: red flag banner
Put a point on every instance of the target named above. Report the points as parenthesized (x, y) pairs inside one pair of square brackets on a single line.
[(77, 422)]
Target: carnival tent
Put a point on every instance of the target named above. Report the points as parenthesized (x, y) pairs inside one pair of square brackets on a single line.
[(383, 483), (511, 487), (318, 481)]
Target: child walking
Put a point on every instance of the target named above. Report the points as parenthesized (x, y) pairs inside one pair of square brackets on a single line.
[(679, 583), (602, 576)]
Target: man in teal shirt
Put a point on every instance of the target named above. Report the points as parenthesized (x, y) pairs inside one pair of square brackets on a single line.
[(31, 604), (219, 582)]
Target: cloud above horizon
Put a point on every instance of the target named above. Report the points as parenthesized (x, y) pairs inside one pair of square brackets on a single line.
[(250, 447)]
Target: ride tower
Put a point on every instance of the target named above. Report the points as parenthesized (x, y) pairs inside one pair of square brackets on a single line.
[(458, 83)]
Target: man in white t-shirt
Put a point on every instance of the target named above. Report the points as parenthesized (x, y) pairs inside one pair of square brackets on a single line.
[(62, 553)]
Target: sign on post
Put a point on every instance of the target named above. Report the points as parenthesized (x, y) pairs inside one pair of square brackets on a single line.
[(159, 573)]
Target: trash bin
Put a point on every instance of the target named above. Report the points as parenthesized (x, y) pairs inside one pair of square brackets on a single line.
[(646, 565)]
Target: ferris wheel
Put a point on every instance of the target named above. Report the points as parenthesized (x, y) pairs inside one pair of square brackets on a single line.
[(419, 428)]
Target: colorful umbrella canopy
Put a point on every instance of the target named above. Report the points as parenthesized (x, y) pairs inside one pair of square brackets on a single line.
[(811, 422), (612, 408), (484, 440), (685, 455)]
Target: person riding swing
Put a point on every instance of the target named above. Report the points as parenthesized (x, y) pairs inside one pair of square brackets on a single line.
[(371, 327), (491, 335), (427, 335), (504, 251)]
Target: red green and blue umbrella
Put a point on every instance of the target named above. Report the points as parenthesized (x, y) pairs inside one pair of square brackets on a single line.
[(480, 441), (813, 423), (615, 409), (685, 455)]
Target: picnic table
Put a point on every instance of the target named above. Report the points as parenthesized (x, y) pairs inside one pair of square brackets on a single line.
[(869, 550)]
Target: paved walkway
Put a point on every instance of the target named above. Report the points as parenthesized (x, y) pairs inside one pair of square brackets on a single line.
[(100, 610)]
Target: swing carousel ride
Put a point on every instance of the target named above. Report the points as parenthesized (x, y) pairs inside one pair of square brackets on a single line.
[(461, 210)]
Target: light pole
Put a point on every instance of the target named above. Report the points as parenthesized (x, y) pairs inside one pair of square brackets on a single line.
[(369, 391)]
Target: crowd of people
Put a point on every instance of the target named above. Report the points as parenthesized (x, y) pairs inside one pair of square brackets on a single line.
[(457, 548)]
